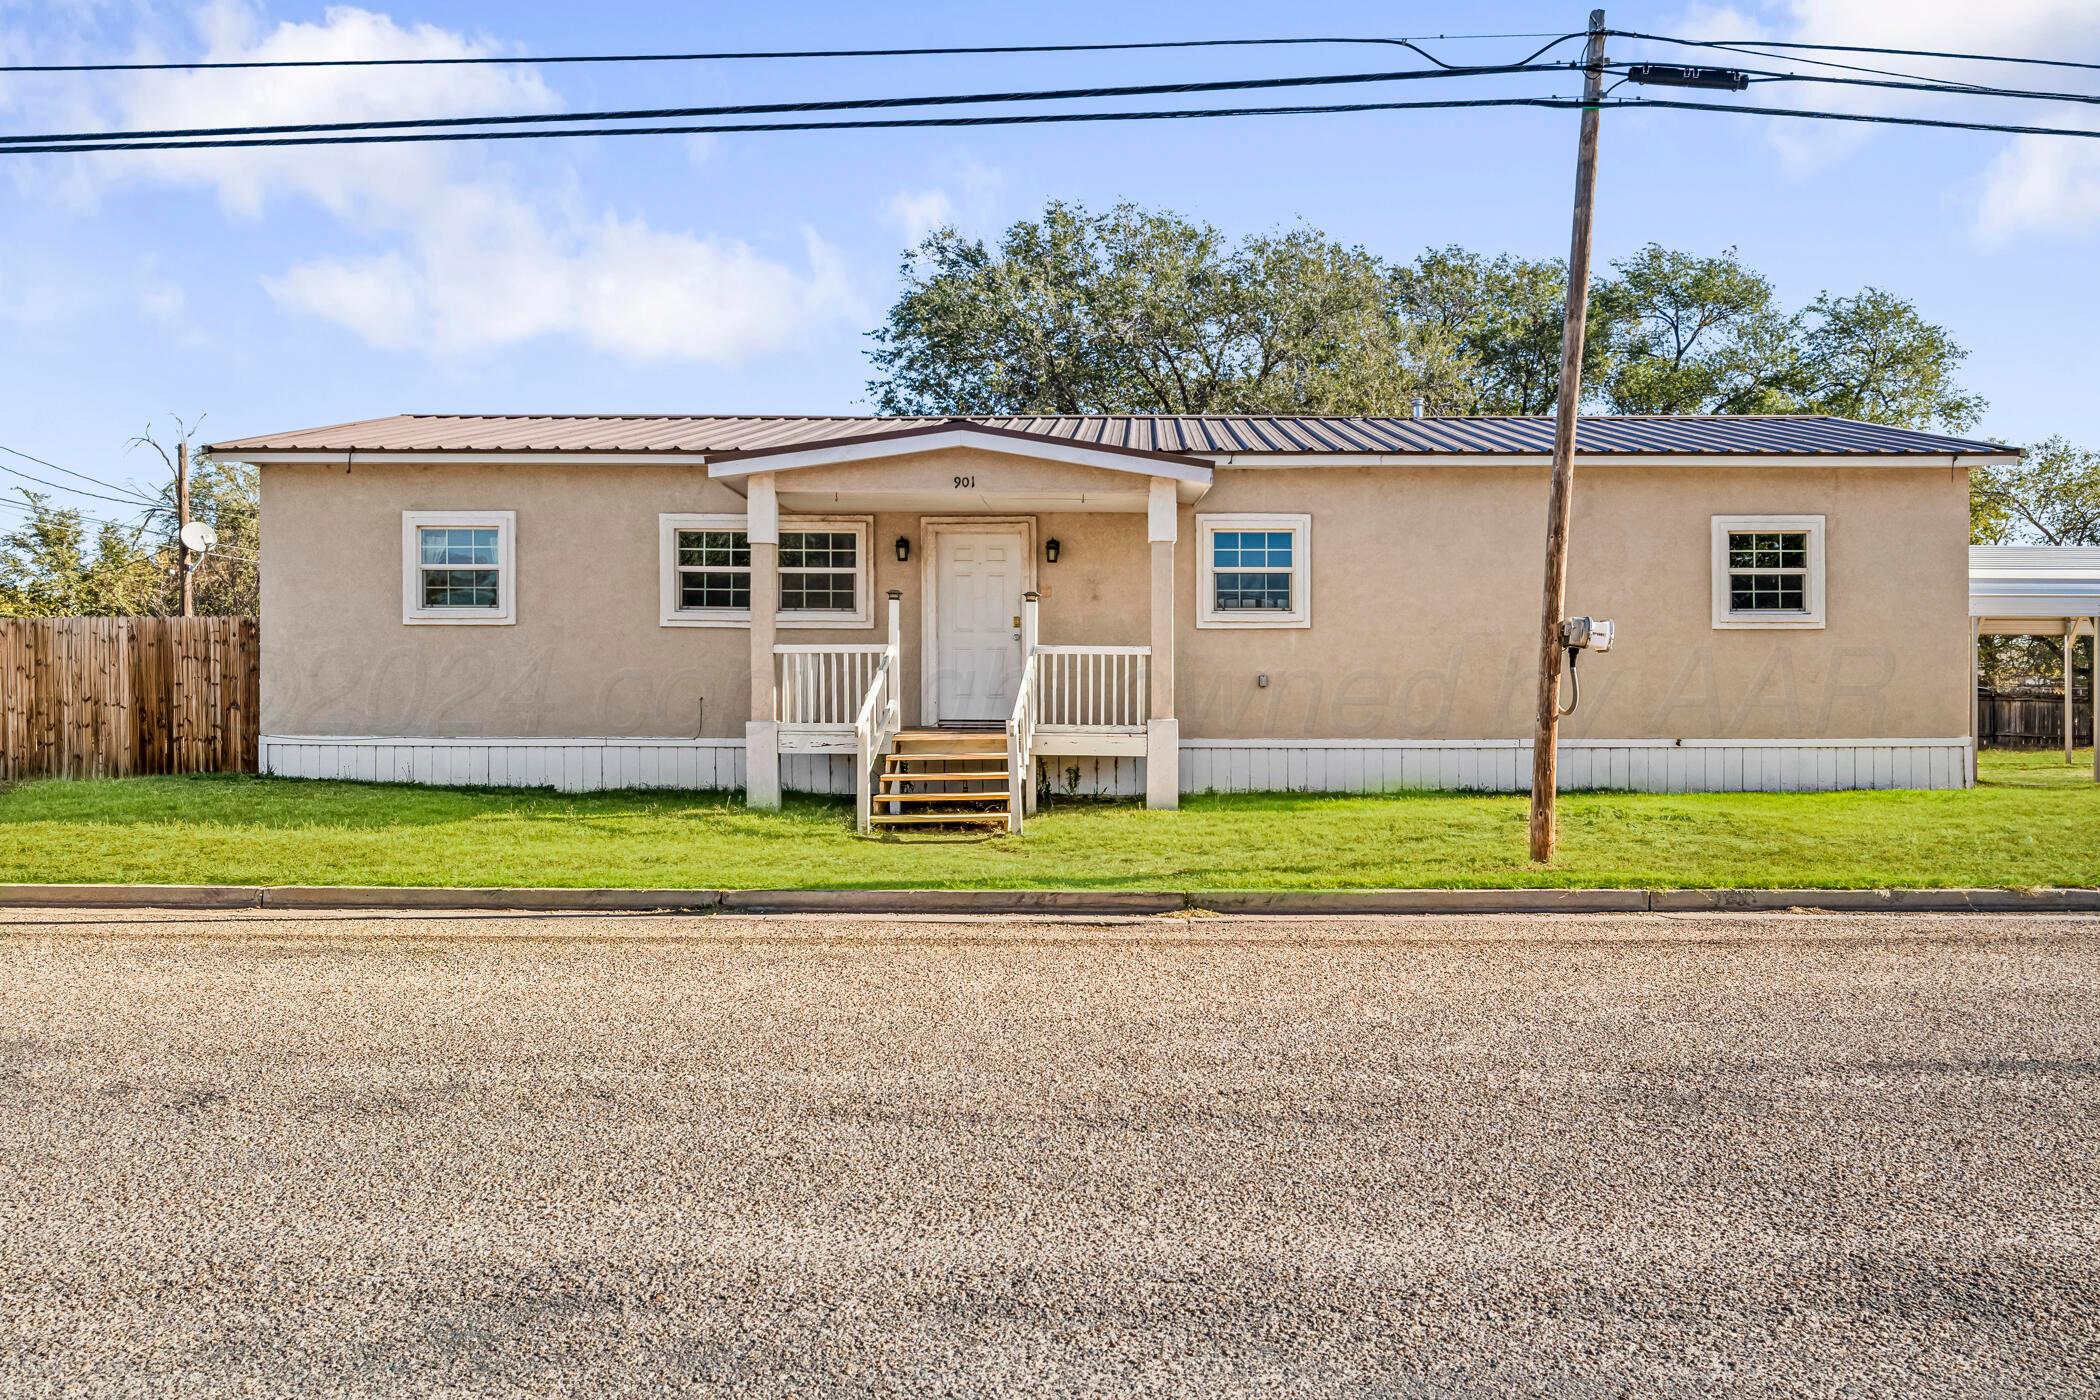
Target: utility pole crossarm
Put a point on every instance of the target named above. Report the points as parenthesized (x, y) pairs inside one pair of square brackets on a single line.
[(1545, 754)]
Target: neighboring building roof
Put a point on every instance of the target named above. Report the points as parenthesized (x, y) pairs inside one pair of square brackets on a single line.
[(2034, 581), (1213, 436)]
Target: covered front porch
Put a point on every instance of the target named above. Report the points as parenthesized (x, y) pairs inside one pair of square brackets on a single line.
[(1043, 622), (2040, 591)]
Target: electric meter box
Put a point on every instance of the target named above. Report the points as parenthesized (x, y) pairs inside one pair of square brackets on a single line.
[(1587, 633)]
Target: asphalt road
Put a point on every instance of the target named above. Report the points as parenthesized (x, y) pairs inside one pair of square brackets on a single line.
[(1766, 1154)]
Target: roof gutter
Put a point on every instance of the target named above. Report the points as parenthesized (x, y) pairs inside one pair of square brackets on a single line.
[(1241, 460), (342, 457), (1613, 459)]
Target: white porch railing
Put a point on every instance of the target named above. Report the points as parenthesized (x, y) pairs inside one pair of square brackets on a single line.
[(1094, 687), (1020, 737), (823, 685), (876, 725), (840, 699)]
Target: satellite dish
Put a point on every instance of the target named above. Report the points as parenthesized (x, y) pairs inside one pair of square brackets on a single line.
[(199, 536)]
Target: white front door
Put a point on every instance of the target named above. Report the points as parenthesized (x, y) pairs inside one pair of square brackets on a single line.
[(977, 618)]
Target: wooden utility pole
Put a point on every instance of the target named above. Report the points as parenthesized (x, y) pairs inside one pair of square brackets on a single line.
[(182, 523), (1545, 754)]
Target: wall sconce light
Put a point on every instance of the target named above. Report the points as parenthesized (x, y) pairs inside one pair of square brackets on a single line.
[(903, 550), (1051, 549)]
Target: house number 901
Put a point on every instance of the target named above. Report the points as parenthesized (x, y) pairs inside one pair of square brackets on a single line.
[(966, 483)]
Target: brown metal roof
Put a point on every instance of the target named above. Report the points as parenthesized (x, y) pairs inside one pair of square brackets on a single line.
[(1204, 435)]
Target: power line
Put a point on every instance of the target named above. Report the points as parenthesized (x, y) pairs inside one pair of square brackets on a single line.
[(1041, 118), (1946, 123), (137, 522), (1923, 85), (821, 105), (83, 476), (75, 490), (137, 525), (861, 124), (1818, 62), (1952, 85), (1860, 48), (737, 55)]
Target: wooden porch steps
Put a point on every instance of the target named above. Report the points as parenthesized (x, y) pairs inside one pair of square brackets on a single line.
[(943, 777), (952, 775)]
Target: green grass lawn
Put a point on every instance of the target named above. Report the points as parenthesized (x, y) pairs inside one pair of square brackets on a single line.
[(2033, 821)]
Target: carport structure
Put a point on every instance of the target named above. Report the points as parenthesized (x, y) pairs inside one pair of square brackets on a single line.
[(2035, 591)]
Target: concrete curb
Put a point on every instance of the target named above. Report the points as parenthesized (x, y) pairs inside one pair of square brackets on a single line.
[(462, 897), (130, 896), (1529, 901), (1948, 901), (1125, 903), (952, 902)]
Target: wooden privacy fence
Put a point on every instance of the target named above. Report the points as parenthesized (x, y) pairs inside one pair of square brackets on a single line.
[(110, 697), (2032, 718)]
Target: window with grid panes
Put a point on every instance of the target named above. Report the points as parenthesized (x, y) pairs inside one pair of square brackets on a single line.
[(819, 571), (1768, 571), (1251, 570), (714, 570), (461, 567)]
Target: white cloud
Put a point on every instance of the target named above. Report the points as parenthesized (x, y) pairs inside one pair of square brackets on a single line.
[(617, 285), (380, 298), (469, 261), (2041, 183), (163, 301), (916, 213), (2034, 183), (46, 288), (974, 209)]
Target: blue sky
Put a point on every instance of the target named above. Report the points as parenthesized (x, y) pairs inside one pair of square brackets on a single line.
[(739, 274)]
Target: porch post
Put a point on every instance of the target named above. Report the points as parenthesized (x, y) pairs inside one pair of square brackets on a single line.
[(762, 731), (1162, 728), (1031, 632), (2070, 684), (1975, 697)]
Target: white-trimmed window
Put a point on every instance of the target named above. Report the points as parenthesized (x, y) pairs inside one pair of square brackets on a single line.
[(706, 571), (1768, 571), (1254, 571), (823, 568), (458, 567)]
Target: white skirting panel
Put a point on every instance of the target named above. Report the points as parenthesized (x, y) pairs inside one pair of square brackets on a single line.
[(816, 772), (1207, 765), (1084, 775), (1641, 765), (572, 765)]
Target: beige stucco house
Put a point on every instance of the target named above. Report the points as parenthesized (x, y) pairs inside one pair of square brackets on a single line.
[(1122, 604)]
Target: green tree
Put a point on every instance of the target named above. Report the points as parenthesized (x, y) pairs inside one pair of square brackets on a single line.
[(1499, 320), (1872, 356), (61, 563), (48, 569), (1132, 311), (1135, 311), (1695, 335), (227, 580), (2053, 498)]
